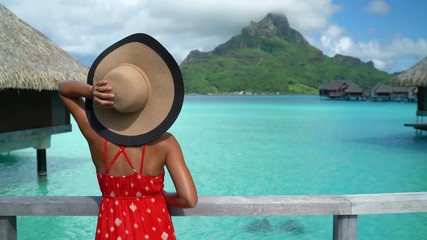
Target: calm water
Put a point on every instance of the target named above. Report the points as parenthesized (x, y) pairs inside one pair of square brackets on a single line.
[(255, 145)]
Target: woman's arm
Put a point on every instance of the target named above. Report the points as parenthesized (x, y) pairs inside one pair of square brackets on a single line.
[(186, 194), (72, 94)]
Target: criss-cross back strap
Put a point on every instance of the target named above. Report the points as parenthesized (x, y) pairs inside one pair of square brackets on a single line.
[(122, 151)]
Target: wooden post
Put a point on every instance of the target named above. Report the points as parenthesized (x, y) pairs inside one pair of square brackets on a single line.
[(8, 228), (41, 162), (345, 227)]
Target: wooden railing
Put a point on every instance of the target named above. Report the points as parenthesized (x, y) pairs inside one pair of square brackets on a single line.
[(344, 208)]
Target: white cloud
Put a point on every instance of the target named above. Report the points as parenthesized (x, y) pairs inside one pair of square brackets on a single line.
[(86, 27), (380, 64), (336, 41), (378, 7)]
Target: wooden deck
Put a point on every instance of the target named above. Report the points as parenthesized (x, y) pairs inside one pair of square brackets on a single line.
[(344, 208), (418, 126)]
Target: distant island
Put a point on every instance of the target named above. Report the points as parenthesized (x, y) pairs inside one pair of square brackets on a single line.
[(269, 57)]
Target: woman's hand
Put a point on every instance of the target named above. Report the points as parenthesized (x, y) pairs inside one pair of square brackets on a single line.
[(101, 93)]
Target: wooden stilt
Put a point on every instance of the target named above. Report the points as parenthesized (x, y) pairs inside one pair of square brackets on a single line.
[(41, 162)]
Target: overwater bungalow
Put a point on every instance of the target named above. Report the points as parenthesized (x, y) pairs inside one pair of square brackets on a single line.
[(341, 89), (403, 94), (416, 76), (31, 66), (383, 92)]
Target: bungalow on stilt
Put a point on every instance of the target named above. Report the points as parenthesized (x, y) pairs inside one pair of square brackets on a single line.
[(31, 66), (417, 76), (340, 89)]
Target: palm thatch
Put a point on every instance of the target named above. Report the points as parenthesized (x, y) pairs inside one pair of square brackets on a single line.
[(415, 76), (353, 88), (29, 60)]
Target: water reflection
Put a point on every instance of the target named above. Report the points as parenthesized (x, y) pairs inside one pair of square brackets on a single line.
[(264, 226)]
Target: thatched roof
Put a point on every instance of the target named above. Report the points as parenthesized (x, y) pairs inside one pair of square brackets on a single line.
[(388, 89), (29, 60), (353, 88), (415, 76), (382, 88), (347, 85), (332, 85)]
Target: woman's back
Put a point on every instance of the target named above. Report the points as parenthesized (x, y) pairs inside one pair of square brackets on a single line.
[(132, 205), (149, 158)]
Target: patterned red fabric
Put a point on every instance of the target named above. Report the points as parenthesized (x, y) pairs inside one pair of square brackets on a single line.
[(133, 207)]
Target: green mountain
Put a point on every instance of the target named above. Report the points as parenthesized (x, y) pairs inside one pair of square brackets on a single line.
[(270, 57)]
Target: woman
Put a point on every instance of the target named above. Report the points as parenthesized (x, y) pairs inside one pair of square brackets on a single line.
[(127, 137)]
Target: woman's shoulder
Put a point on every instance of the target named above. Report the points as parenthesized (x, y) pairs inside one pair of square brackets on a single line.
[(166, 140)]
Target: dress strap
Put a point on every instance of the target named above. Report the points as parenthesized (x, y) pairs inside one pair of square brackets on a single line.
[(105, 152), (121, 151), (142, 158)]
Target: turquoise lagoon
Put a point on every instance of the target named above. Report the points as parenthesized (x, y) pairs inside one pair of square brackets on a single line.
[(255, 145)]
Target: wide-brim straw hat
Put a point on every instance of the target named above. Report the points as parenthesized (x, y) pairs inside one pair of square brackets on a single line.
[(148, 88)]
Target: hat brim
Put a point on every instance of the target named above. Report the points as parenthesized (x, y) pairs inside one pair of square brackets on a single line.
[(173, 108)]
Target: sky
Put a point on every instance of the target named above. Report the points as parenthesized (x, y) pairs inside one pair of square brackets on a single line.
[(390, 33)]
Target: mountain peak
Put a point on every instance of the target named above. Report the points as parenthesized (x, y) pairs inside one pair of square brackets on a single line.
[(278, 20), (270, 57), (274, 25)]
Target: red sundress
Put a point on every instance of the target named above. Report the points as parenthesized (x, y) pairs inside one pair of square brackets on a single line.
[(132, 206)]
